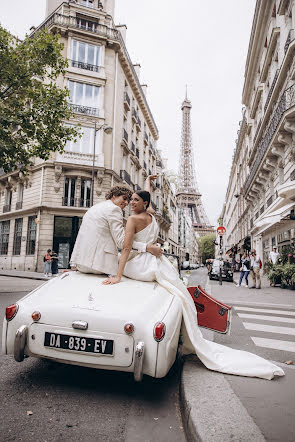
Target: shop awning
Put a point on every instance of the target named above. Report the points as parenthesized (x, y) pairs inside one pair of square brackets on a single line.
[(272, 218)]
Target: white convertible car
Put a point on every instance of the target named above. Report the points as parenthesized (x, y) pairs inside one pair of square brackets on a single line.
[(132, 326)]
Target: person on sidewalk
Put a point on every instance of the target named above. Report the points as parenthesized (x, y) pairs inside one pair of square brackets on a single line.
[(255, 264), (47, 263), (274, 256), (244, 270), (54, 264)]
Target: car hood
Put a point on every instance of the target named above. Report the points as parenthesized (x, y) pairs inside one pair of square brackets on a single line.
[(77, 295)]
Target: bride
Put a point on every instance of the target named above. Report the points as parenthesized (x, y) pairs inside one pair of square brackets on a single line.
[(142, 226)]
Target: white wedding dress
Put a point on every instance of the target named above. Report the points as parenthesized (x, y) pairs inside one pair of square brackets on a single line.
[(146, 267)]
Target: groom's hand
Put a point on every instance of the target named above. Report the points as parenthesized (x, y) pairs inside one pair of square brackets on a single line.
[(154, 249)]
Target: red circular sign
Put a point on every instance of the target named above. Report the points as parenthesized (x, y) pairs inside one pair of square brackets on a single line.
[(221, 230)]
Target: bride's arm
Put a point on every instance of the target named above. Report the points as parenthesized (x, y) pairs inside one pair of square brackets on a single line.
[(127, 246), (147, 187)]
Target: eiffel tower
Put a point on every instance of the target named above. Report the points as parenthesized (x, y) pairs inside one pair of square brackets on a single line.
[(188, 195)]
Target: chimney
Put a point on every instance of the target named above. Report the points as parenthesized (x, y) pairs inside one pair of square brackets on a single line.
[(144, 88), (137, 69), (122, 29)]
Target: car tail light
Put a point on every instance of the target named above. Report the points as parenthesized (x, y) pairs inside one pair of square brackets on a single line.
[(11, 311), (36, 316), (159, 331), (129, 328)]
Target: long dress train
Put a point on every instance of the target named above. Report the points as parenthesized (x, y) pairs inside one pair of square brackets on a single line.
[(146, 267)]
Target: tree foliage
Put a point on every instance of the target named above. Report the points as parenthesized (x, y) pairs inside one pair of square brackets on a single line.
[(32, 107), (206, 247)]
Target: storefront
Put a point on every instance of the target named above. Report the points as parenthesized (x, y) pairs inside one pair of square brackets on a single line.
[(64, 236)]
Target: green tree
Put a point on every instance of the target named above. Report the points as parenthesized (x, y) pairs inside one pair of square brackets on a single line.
[(32, 107), (206, 247)]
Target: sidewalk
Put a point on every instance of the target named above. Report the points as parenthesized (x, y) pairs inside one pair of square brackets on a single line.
[(217, 407), (24, 274)]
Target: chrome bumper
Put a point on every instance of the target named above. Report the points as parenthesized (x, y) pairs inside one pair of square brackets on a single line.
[(20, 343), (139, 354)]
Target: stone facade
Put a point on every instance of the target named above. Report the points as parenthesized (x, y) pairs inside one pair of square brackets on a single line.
[(44, 208), (260, 197)]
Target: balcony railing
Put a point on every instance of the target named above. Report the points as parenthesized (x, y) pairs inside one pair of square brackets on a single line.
[(87, 66), (19, 205), (125, 176), (134, 114), (80, 109), (7, 208), (127, 99), (271, 88), (133, 147), (289, 39), (69, 202), (137, 153), (125, 135), (257, 130), (71, 22), (287, 101), (81, 202)]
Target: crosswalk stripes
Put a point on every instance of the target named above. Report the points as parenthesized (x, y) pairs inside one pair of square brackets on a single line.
[(262, 319)]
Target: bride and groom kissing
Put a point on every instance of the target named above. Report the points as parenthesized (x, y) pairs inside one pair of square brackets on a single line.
[(96, 251)]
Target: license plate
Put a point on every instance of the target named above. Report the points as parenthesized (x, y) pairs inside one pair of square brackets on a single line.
[(79, 343)]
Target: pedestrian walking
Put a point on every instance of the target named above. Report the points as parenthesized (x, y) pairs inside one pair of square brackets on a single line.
[(274, 256), (47, 263), (255, 265), (244, 270), (54, 263)]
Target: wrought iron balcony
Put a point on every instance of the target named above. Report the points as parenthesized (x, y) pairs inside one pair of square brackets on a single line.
[(271, 88), (19, 205), (257, 130), (7, 208), (125, 176), (87, 66), (125, 135), (126, 100), (71, 22), (69, 202), (81, 202), (80, 109), (289, 39), (286, 101), (137, 188)]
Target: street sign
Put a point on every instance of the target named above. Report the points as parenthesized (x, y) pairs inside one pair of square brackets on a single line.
[(221, 230)]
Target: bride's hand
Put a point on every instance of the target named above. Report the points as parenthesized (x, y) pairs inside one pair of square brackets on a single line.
[(111, 280)]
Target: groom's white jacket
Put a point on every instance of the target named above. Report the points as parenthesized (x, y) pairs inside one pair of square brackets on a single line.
[(100, 235)]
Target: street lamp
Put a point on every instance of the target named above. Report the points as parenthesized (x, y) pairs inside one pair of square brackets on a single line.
[(108, 130)]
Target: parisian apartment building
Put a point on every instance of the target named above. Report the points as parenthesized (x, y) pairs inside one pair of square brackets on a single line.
[(43, 208), (260, 200)]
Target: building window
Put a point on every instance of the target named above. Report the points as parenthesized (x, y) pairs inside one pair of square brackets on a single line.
[(20, 195), (8, 198), (85, 56), (88, 25), (88, 3), (69, 192), (18, 228), (84, 144), (31, 236), (85, 193), (4, 237), (84, 96)]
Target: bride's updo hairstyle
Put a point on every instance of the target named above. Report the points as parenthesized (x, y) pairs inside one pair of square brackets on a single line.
[(146, 196), (118, 191)]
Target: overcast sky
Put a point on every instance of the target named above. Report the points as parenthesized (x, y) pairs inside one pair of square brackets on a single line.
[(195, 42)]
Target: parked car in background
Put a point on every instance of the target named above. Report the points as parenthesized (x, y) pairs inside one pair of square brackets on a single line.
[(214, 271)]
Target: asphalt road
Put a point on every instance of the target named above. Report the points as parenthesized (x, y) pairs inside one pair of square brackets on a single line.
[(46, 401)]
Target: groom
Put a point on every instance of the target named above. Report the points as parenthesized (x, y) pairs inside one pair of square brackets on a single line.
[(102, 233)]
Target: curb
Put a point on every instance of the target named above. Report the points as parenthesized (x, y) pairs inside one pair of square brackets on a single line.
[(211, 411), (24, 275)]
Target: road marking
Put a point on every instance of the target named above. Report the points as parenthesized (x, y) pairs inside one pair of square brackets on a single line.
[(267, 318), (275, 344), (269, 328), (264, 310), (264, 304)]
